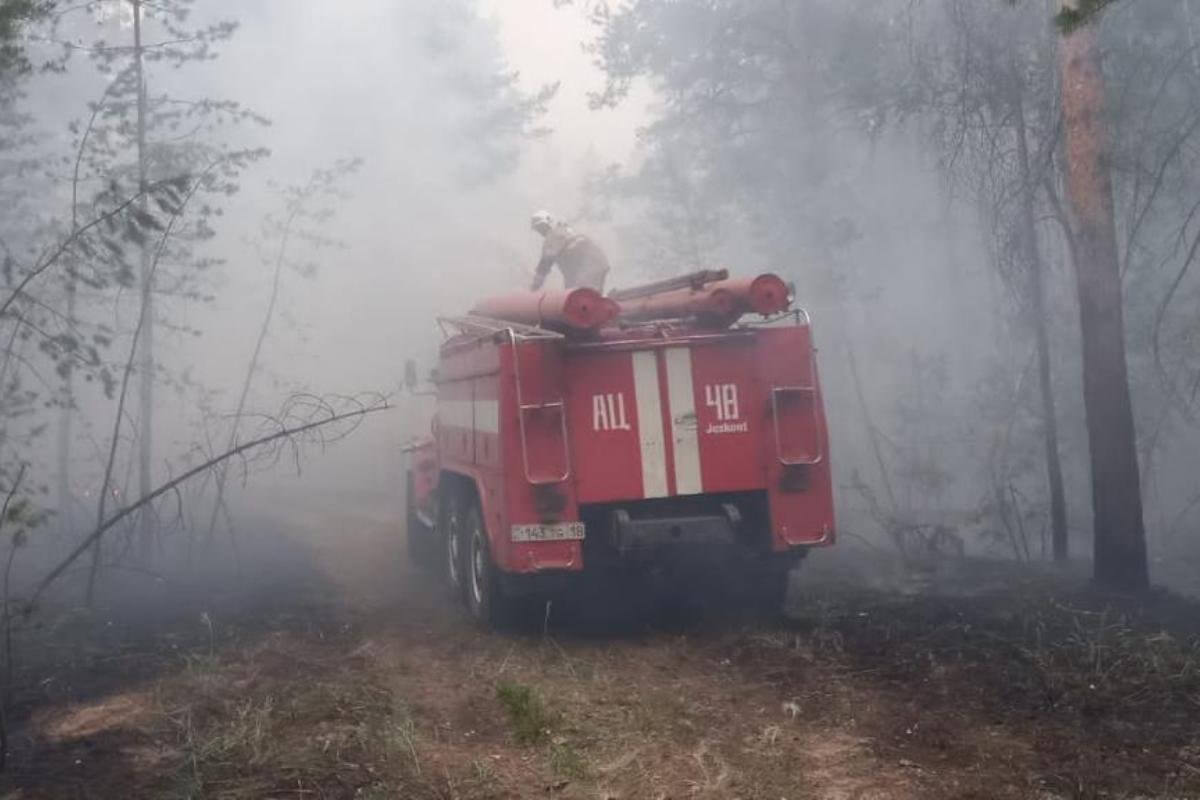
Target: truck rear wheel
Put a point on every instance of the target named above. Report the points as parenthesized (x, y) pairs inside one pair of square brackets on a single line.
[(453, 548), (771, 581), (485, 597), (422, 546)]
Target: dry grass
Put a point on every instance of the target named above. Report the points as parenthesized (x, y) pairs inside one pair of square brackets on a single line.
[(1098, 694), (252, 727), (1036, 691), (526, 712)]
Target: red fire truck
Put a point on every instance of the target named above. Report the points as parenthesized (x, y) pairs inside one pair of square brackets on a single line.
[(575, 431)]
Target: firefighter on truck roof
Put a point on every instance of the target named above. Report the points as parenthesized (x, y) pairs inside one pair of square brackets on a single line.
[(579, 259)]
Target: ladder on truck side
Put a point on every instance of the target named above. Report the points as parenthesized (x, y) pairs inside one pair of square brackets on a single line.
[(541, 421)]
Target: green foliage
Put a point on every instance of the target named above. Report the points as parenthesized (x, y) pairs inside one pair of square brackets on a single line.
[(187, 150), (528, 715), (566, 761), (1069, 19), (135, 206), (490, 112), (15, 15), (717, 147)]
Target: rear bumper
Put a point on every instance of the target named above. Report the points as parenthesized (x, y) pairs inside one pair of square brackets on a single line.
[(726, 529), (758, 520), (648, 537)]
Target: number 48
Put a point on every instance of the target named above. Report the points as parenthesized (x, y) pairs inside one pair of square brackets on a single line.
[(723, 398)]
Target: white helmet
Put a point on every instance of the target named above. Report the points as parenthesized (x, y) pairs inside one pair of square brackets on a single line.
[(540, 220)]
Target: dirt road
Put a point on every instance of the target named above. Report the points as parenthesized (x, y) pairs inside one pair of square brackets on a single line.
[(348, 675)]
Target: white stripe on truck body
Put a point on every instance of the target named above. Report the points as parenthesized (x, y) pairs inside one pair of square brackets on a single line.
[(681, 400), (650, 424)]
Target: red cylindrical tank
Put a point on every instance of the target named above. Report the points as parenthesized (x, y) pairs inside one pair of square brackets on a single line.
[(720, 303), (578, 309), (768, 294)]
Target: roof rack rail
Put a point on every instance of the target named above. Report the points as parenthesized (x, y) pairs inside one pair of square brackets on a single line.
[(485, 326), (693, 280)]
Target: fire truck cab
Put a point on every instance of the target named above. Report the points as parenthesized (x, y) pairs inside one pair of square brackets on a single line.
[(574, 431)]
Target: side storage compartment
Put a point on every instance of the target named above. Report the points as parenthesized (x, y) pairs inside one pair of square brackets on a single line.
[(796, 451), (542, 531)]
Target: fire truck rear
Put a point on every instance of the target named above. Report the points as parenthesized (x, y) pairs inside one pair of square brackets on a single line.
[(576, 432)]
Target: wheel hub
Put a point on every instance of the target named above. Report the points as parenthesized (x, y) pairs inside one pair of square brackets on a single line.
[(478, 565), (453, 555)]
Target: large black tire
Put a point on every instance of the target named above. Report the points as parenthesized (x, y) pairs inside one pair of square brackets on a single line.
[(420, 538), (486, 600), (771, 581), (453, 543)]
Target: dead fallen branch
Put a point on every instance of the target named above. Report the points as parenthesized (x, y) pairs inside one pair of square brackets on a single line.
[(284, 434)]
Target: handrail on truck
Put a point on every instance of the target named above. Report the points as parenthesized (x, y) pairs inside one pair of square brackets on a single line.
[(522, 408)]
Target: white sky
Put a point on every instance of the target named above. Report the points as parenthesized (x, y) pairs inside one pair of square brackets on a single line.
[(344, 78)]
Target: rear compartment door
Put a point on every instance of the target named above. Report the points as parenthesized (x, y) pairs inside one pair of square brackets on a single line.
[(716, 417), (616, 424), (666, 421)]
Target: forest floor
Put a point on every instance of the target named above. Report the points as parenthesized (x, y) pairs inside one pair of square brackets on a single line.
[(341, 671)]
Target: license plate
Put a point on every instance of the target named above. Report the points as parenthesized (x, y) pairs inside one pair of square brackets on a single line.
[(558, 532)]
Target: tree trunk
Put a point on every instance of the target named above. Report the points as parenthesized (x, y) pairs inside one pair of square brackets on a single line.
[(1037, 301), (66, 419), (1191, 34), (222, 473), (146, 393), (1120, 537), (892, 522)]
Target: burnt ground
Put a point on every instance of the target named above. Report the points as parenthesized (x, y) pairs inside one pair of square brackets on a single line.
[(334, 669)]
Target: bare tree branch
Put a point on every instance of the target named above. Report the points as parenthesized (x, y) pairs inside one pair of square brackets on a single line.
[(143, 320), (52, 258), (287, 434)]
